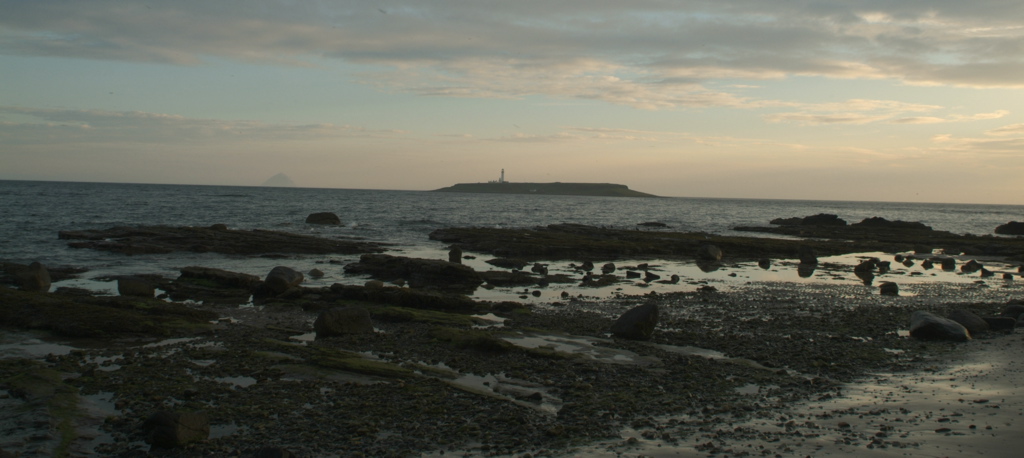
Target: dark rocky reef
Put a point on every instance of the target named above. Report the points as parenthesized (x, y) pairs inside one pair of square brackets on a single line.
[(573, 241), (217, 238)]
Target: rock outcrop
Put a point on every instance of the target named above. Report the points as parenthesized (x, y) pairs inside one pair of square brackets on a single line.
[(419, 273), (1011, 228), (326, 218)]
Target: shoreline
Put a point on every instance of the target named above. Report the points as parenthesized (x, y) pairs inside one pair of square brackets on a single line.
[(253, 363)]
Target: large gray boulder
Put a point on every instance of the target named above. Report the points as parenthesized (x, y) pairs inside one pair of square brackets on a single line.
[(174, 429), (341, 321), (281, 278), (637, 323), (929, 326)]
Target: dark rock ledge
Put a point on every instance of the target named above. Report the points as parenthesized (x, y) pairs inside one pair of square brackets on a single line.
[(217, 238)]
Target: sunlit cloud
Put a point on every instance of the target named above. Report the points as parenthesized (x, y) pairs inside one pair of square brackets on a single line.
[(646, 54)]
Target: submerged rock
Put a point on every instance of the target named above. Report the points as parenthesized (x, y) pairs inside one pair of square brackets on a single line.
[(929, 326), (637, 323)]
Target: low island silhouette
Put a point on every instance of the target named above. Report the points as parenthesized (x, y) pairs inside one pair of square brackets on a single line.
[(554, 189)]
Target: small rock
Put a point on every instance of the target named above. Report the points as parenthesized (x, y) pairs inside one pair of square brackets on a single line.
[(889, 288)]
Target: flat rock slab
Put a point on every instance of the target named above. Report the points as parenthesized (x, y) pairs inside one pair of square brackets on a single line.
[(217, 239)]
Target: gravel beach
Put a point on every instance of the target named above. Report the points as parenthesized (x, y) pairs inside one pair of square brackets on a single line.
[(762, 370)]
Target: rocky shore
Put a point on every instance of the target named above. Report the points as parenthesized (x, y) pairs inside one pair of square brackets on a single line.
[(218, 363)]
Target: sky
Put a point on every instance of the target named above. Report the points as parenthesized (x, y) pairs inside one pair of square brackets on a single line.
[(912, 101)]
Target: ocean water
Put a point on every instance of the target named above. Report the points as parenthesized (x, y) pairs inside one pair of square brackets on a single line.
[(34, 212)]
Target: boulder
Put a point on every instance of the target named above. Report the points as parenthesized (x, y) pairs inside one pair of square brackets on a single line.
[(970, 320), (173, 429), (455, 255), (1013, 311), (888, 288), (281, 278), (808, 256), (637, 323), (341, 321), (929, 326), (1011, 228), (419, 273), (34, 277), (764, 263), (649, 277), (315, 273), (1000, 323), (134, 286), (323, 218), (971, 266), (948, 263), (867, 265), (608, 268), (708, 252)]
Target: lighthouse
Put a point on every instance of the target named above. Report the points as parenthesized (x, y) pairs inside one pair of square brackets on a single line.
[(502, 179)]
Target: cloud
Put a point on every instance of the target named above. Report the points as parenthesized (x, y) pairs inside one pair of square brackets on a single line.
[(45, 125), (863, 111), (1012, 129), (647, 54)]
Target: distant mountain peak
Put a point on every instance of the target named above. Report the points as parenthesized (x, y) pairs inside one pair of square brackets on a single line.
[(280, 180)]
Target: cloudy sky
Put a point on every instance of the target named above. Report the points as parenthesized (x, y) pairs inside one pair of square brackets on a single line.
[(851, 100)]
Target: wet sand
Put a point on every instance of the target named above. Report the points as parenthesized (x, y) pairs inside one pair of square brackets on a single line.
[(965, 403)]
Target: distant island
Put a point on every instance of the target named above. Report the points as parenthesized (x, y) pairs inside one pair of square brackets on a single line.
[(551, 189)]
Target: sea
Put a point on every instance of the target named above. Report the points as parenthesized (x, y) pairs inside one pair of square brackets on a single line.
[(35, 211)]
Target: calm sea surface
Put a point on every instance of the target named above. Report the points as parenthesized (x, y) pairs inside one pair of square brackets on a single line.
[(33, 213)]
